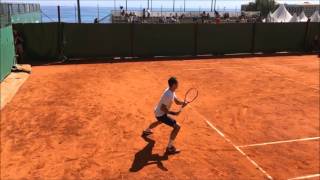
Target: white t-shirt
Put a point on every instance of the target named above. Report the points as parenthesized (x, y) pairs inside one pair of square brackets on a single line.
[(166, 99)]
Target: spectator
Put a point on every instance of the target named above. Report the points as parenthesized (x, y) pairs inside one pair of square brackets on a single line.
[(316, 43), (149, 13), (203, 16), (226, 15), (95, 21), (194, 19), (122, 12), (162, 20), (127, 16), (217, 20), (18, 43), (143, 13), (216, 14)]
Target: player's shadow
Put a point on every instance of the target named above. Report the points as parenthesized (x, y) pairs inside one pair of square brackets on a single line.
[(145, 157)]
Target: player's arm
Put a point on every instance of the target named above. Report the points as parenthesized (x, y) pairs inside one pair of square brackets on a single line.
[(166, 110), (179, 102)]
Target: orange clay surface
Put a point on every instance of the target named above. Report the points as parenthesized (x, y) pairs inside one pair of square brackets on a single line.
[(84, 121)]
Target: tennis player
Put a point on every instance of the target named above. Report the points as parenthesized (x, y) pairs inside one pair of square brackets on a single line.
[(162, 111)]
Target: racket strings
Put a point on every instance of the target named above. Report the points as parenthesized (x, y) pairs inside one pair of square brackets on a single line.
[(191, 95)]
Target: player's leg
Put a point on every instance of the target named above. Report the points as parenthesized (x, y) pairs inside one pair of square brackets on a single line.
[(148, 131), (173, 135), (174, 132), (176, 128)]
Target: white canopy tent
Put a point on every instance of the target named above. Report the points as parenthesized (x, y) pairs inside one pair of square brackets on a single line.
[(281, 14), (302, 17), (315, 17), (294, 18), (269, 18)]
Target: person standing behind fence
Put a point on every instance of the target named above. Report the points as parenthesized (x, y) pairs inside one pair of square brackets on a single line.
[(148, 13), (143, 13), (203, 16), (18, 43), (217, 17), (316, 43), (122, 13)]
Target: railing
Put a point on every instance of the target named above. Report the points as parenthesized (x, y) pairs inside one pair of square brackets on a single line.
[(187, 13), (10, 9), (19, 13), (178, 13), (167, 17)]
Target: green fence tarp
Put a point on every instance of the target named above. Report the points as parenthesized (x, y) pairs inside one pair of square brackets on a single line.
[(163, 39), (7, 52), (4, 20), (276, 37), (97, 40), (224, 38), (31, 17), (46, 40), (41, 41)]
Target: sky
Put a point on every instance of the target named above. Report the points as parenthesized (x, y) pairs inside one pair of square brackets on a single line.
[(137, 3)]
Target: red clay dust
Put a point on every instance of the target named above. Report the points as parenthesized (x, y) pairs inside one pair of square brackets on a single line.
[(254, 118)]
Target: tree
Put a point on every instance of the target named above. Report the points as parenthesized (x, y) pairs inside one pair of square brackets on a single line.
[(264, 6)]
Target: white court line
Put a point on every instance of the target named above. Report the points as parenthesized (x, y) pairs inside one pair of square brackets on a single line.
[(305, 177), (236, 147), (198, 69), (279, 142), (209, 68), (225, 138)]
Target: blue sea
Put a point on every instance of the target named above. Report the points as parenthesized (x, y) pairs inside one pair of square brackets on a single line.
[(68, 13)]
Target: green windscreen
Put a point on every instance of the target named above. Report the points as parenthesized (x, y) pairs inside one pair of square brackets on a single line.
[(96, 40), (7, 52), (163, 39), (224, 38), (275, 37)]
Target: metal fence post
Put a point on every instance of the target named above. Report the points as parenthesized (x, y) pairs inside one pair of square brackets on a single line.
[(61, 41), (196, 39), (173, 5), (9, 15), (306, 36), (131, 39), (79, 11), (253, 38), (59, 16), (127, 5), (75, 14)]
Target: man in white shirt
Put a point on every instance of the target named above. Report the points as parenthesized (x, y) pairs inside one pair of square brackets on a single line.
[(163, 109)]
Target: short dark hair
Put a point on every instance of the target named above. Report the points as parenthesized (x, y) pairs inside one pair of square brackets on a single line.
[(172, 81)]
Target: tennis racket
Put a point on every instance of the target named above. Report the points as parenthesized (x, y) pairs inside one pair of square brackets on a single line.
[(190, 96)]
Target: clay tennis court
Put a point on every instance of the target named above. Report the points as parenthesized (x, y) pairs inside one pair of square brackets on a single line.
[(255, 118)]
